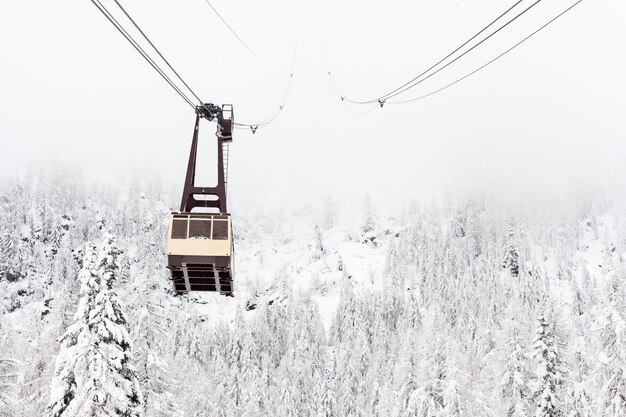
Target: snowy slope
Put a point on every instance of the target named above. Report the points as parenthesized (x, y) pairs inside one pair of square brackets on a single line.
[(353, 315)]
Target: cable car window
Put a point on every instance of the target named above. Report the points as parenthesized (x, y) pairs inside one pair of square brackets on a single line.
[(220, 230), (200, 229), (179, 229)]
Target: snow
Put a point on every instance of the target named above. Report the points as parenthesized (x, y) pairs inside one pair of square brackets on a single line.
[(395, 314)]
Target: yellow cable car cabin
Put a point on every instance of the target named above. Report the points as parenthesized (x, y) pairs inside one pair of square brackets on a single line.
[(199, 242), (200, 252)]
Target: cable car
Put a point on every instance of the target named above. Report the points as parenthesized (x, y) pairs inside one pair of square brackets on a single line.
[(200, 249)]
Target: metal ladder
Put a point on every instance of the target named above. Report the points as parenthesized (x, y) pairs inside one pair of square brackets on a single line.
[(225, 150)]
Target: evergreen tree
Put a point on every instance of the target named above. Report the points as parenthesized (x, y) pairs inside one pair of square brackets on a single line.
[(319, 250), (511, 257), (514, 390), (327, 402), (9, 372), (94, 372), (11, 259), (148, 339), (612, 399), (548, 368), (612, 322)]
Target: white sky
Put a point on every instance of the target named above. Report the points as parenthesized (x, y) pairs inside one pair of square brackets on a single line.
[(548, 116)]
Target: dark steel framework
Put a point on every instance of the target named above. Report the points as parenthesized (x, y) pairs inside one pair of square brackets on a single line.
[(224, 135)]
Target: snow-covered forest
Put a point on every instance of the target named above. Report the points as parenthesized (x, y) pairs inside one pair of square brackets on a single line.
[(469, 307)]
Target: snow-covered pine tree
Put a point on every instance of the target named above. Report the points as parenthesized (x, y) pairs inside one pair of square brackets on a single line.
[(153, 371), (612, 321), (318, 249), (94, 371), (8, 384), (8, 373), (11, 262), (513, 387), (428, 399), (578, 401), (514, 391), (64, 387), (549, 375), (511, 256), (368, 217), (112, 353), (326, 401)]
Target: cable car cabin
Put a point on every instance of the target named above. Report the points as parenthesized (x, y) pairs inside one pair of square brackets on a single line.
[(200, 252)]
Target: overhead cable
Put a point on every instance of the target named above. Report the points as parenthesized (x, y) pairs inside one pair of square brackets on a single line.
[(423, 32), (414, 84), (157, 50), (139, 49), (441, 60), (490, 62), (229, 27), (268, 120), (336, 87)]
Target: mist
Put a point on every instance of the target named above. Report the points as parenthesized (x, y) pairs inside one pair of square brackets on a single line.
[(544, 121)]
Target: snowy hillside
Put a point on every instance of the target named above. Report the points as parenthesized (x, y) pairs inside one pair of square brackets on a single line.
[(478, 308)]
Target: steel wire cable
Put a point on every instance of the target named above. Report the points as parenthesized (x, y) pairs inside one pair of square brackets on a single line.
[(159, 70), (422, 33), (230, 28), (336, 87), (140, 50), (384, 98), (157, 50), (268, 120), (441, 60), (489, 62)]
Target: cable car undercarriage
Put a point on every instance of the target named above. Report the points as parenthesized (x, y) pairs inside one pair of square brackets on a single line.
[(200, 250)]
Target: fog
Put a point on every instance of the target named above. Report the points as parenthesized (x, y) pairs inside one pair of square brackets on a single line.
[(546, 119)]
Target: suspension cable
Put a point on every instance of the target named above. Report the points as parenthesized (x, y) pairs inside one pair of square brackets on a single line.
[(159, 70), (157, 50), (139, 49), (441, 60), (460, 56), (336, 87), (268, 120), (423, 32), (489, 62), (230, 28)]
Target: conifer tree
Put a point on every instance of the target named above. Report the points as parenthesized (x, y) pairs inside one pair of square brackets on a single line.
[(152, 367), (94, 372), (612, 398), (514, 390), (9, 375), (318, 249), (548, 368), (12, 266), (327, 402), (368, 218), (511, 257), (578, 401)]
